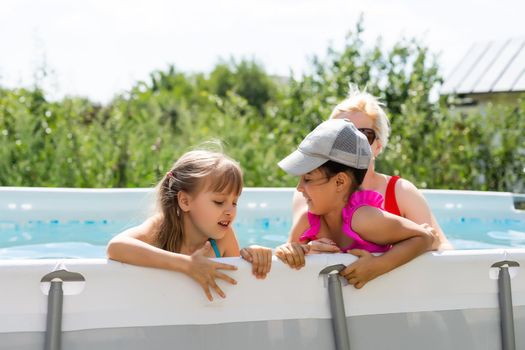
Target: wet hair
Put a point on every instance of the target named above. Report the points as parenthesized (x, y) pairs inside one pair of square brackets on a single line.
[(362, 101), (194, 172), (331, 169)]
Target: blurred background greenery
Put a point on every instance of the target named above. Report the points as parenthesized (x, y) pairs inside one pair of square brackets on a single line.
[(132, 141)]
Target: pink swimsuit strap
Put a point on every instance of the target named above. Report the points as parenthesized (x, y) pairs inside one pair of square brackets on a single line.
[(356, 200)]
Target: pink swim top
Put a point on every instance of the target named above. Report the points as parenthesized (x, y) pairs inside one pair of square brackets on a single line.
[(356, 200)]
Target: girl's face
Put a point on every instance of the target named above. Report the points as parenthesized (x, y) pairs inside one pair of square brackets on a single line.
[(365, 123), (211, 213), (318, 190)]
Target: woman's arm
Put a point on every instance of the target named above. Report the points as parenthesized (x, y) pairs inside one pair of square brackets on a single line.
[(414, 207), (138, 246), (380, 227)]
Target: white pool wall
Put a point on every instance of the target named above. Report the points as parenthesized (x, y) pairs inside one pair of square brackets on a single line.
[(441, 300)]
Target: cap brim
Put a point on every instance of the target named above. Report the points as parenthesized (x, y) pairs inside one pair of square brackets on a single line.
[(298, 163)]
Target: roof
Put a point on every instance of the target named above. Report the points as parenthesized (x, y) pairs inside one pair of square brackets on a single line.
[(496, 66)]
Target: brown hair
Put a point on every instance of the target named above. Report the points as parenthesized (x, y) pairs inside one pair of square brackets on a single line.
[(331, 168), (191, 173)]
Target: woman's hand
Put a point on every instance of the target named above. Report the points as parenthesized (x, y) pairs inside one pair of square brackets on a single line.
[(204, 271), (364, 269), (292, 254), (260, 258), (323, 245), (434, 236)]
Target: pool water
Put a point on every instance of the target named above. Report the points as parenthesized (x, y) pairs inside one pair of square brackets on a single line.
[(87, 239)]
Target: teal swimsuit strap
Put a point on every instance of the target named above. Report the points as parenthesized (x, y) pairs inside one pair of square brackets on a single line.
[(215, 248)]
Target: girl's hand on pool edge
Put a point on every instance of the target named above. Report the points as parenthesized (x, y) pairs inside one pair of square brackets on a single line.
[(204, 271), (292, 254), (260, 258), (323, 245), (364, 269)]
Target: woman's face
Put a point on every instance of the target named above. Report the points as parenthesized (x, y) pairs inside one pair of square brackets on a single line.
[(362, 121)]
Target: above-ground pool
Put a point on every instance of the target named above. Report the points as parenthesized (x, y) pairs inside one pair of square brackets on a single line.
[(30, 229), (440, 300)]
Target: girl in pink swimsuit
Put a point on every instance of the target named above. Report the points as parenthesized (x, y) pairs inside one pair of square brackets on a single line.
[(332, 162), (356, 201)]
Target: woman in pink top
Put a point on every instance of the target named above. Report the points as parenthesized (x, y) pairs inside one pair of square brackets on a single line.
[(332, 162)]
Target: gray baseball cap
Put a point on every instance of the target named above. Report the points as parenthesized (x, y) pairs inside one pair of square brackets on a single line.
[(337, 140)]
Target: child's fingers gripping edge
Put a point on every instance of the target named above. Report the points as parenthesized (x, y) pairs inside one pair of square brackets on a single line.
[(359, 285), (280, 255), (246, 254), (267, 264), (352, 280), (290, 258), (268, 261), (306, 248), (347, 271), (298, 255), (255, 264), (262, 263)]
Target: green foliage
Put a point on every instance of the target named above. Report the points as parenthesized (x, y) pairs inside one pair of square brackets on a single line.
[(132, 141), (246, 79)]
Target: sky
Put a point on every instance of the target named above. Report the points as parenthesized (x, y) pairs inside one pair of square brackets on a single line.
[(98, 48)]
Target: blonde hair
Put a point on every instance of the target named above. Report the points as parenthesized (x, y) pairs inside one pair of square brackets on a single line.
[(194, 172), (362, 101)]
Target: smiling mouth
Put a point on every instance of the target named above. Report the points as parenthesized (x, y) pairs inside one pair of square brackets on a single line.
[(224, 223)]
